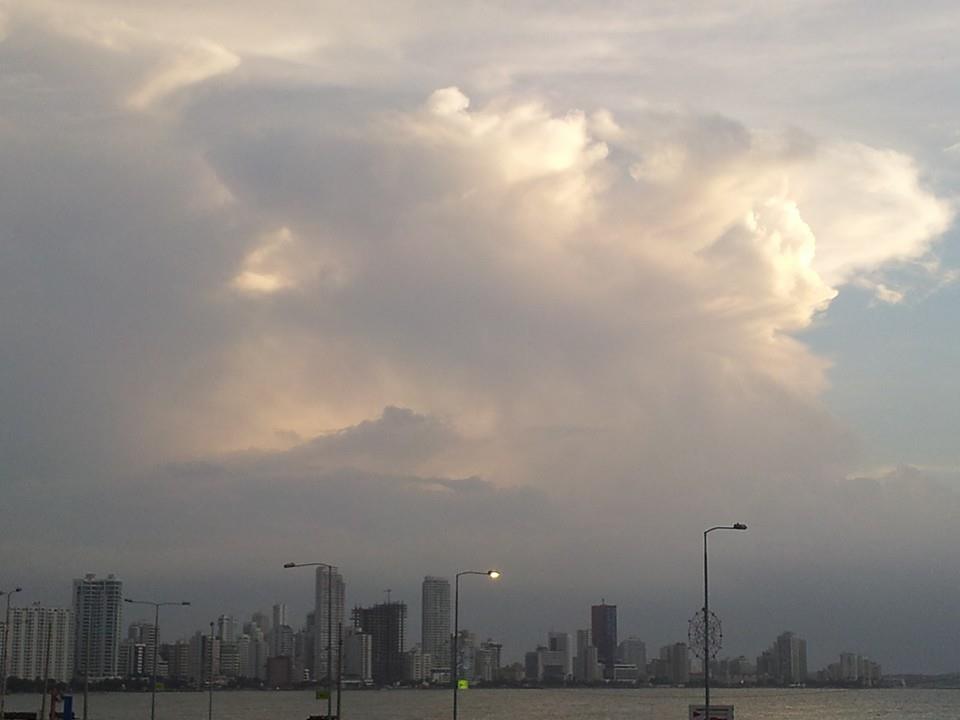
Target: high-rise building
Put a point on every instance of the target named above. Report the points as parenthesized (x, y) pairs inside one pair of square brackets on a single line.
[(41, 641), (676, 663), (562, 644), (139, 633), (416, 665), (791, 657), (330, 596), (98, 614), (228, 628), (586, 667), (603, 627), (487, 661), (204, 657), (633, 651), (178, 660), (357, 657), (435, 621), (386, 624), (261, 620)]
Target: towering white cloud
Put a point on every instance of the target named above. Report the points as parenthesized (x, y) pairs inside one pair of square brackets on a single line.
[(238, 243)]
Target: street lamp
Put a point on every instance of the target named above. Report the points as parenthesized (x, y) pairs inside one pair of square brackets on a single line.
[(330, 568), (156, 643), (455, 660), (6, 644), (706, 615)]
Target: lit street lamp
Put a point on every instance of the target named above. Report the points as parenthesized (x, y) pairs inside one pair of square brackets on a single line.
[(6, 644), (330, 568), (156, 643), (706, 615), (455, 660)]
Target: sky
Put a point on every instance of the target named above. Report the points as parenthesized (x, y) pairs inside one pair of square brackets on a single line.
[(418, 287)]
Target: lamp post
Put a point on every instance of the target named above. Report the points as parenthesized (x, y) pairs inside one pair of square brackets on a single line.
[(455, 660), (6, 644), (706, 615), (330, 568), (156, 643)]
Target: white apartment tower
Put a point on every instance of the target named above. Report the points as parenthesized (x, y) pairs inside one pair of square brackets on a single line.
[(330, 597), (98, 613), (435, 620), (41, 643)]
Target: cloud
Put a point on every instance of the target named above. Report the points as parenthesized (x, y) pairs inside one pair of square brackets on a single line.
[(305, 304), (194, 64)]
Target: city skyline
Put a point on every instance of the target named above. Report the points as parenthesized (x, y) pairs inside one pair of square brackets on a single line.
[(281, 640), (381, 657), (548, 287)]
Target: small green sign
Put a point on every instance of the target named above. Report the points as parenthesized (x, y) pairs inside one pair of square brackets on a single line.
[(322, 694), (463, 684)]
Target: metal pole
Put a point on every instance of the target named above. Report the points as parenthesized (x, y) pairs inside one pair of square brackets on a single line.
[(329, 642), (210, 679), (706, 615), (455, 657), (706, 630)]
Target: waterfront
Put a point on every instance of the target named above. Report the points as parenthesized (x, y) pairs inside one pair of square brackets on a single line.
[(572, 704)]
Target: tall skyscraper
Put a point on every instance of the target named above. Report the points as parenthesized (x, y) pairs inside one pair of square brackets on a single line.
[(560, 642), (386, 625), (143, 633), (330, 595), (41, 640), (790, 651), (603, 627), (281, 634), (98, 614), (228, 628), (435, 620)]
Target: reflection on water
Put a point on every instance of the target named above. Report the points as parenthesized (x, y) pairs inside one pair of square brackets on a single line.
[(574, 704)]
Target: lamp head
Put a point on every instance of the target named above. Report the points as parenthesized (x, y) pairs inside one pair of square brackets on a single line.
[(127, 600), (739, 526), (289, 565), (185, 602), (493, 573)]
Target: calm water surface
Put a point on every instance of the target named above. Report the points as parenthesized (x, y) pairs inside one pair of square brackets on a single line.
[(645, 704)]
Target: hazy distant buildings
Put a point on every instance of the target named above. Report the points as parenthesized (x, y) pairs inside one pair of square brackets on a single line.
[(386, 625), (98, 613), (561, 644), (603, 628), (330, 598), (487, 661), (435, 621), (136, 650), (357, 657), (586, 666), (633, 651), (204, 658), (853, 669), (40, 639), (674, 664), (785, 662)]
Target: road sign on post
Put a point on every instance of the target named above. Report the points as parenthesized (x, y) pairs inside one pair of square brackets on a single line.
[(717, 712)]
